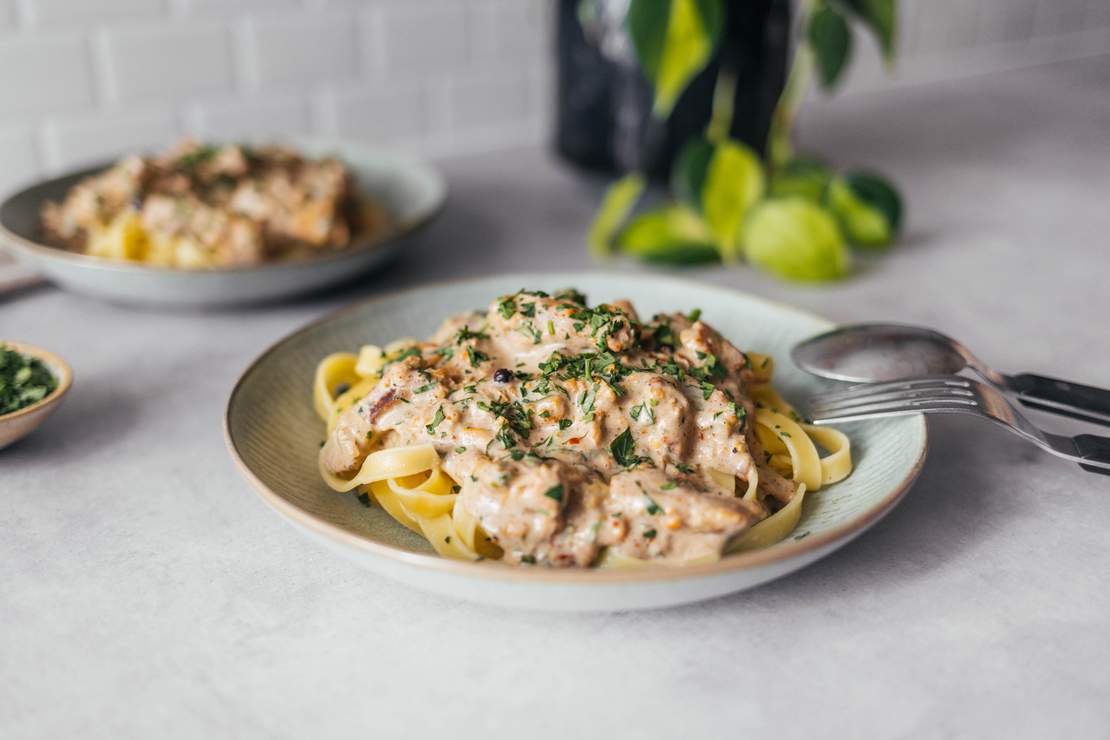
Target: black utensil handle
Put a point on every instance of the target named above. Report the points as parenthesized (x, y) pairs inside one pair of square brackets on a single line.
[(1094, 448), (1051, 394)]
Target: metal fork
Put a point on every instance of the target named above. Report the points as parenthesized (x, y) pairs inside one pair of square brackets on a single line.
[(955, 394)]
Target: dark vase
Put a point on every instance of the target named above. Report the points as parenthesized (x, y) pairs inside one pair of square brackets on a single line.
[(604, 103)]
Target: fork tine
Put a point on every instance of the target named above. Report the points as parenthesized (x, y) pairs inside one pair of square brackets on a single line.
[(932, 381), (895, 408), (846, 401)]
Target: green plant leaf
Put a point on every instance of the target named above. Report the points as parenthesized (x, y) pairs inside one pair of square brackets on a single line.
[(863, 224), (881, 17), (806, 178), (796, 240), (733, 184), (673, 40), (619, 200), (672, 234), (689, 169), (831, 40), (875, 189), (722, 182)]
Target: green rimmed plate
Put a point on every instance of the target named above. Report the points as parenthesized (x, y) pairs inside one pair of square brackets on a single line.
[(274, 436)]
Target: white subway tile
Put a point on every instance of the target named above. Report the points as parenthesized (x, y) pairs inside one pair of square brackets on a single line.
[(42, 74), (398, 113), (423, 39), (487, 100), (8, 17), (76, 141), (516, 29), (20, 157), (301, 48), (50, 13), (250, 118), (232, 7), (168, 61)]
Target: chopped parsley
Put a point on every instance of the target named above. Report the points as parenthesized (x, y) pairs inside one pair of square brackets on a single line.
[(649, 534), (624, 449), (516, 420), (685, 468), (565, 423), (555, 492), (740, 413), (651, 507), (424, 388), (23, 380), (436, 420), (402, 355), (530, 559), (528, 329), (572, 295), (668, 485), (694, 315), (476, 357), (465, 334)]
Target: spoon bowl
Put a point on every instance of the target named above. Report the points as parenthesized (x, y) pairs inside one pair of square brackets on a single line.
[(883, 353), (875, 353)]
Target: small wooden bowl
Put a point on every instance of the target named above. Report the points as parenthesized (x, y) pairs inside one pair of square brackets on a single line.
[(18, 424)]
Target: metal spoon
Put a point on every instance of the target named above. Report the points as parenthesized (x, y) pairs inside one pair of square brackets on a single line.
[(873, 353)]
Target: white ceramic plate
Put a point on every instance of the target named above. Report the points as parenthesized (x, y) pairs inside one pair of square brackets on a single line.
[(412, 192), (274, 437)]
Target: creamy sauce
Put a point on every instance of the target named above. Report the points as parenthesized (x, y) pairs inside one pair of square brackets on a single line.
[(571, 429)]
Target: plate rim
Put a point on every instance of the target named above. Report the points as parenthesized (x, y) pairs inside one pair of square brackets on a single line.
[(36, 250), (491, 570)]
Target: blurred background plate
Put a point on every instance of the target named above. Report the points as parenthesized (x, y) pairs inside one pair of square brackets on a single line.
[(411, 191), (274, 437)]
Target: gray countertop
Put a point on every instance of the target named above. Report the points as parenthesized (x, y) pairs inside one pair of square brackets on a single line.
[(145, 591)]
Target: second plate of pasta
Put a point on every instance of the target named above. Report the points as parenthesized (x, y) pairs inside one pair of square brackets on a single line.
[(582, 441)]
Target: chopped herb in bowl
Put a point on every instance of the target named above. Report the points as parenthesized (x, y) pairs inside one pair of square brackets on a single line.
[(23, 380)]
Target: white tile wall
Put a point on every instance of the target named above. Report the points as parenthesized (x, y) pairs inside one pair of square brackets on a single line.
[(85, 79), (301, 49), (166, 61), (44, 74), (52, 13), (76, 140)]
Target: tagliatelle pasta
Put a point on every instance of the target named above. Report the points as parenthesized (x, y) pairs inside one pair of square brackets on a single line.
[(544, 431)]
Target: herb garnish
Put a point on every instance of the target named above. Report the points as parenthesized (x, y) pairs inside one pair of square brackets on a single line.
[(555, 492), (465, 334), (403, 355), (624, 449), (23, 380), (476, 357), (651, 507), (436, 420)]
